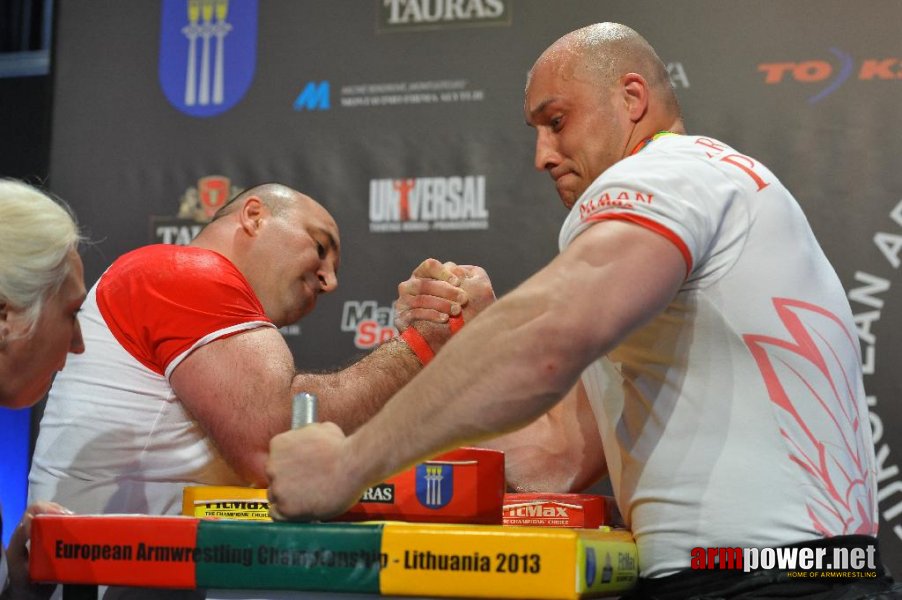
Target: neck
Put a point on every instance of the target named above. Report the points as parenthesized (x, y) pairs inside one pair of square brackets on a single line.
[(638, 141)]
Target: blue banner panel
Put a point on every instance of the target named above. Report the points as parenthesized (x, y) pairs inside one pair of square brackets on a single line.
[(15, 429)]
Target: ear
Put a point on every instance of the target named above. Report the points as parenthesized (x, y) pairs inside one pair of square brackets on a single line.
[(635, 95), (251, 215), (4, 323)]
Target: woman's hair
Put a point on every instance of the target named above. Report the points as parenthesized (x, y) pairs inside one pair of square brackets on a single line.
[(37, 233)]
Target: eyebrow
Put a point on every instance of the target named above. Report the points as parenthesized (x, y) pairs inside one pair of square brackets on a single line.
[(540, 109), (333, 243)]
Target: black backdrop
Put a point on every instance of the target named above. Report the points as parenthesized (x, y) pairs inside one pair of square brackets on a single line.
[(368, 104)]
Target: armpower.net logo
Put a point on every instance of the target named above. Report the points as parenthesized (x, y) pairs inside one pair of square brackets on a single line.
[(805, 562)]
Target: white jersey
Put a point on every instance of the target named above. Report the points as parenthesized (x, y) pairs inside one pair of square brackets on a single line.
[(736, 417)]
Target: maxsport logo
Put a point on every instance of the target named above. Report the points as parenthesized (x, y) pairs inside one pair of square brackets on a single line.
[(825, 76), (371, 323)]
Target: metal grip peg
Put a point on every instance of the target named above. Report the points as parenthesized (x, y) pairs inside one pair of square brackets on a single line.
[(303, 409)]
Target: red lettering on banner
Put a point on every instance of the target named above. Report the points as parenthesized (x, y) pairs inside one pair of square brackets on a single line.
[(370, 333), (879, 69), (747, 165), (774, 72), (812, 70), (403, 187), (807, 71)]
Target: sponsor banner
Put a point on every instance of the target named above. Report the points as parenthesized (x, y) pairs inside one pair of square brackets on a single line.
[(317, 95), (207, 53), (873, 309), (382, 493), (372, 323), (824, 75), (197, 206), (455, 203), (407, 15), (679, 78)]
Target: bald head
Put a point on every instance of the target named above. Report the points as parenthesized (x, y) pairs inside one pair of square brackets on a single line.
[(604, 52), (285, 244), (276, 197)]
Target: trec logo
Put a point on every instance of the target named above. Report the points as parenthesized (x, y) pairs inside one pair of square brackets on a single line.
[(827, 75), (395, 15), (428, 203), (314, 96)]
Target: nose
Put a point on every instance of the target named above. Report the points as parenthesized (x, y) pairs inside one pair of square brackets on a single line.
[(547, 156), (328, 279), (77, 345)]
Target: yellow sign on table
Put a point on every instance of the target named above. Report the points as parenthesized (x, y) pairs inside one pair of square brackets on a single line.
[(505, 562)]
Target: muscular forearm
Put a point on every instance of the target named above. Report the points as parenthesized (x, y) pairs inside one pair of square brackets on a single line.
[(561, 451), (456, 399), (352, 396)]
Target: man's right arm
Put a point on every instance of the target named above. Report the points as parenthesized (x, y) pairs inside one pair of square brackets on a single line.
[(502, 371), (239, 390)]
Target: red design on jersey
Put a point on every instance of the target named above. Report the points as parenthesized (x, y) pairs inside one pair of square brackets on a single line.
[(653, 226), (159, 301), (829, 449)]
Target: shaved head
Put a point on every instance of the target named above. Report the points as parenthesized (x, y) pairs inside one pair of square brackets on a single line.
[(275, 196), (602, 53)]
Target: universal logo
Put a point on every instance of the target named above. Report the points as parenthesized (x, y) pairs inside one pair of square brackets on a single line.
[(453, 203), (406, 15)]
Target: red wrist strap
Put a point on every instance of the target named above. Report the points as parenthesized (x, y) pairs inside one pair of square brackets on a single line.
[(418, 344), (415, 340)]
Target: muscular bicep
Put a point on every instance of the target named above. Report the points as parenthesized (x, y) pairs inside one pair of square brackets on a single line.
[(561, 451), (238, 390), (613, 278)]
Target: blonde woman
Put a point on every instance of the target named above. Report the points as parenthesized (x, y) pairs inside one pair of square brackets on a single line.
[(41, 290)]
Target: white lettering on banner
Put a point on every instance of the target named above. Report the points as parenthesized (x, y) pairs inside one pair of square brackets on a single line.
[(433, 11), (889, 482), (424, 203), (790, 559), (399, 93), (863, 321), (372, 324), (181, 235), (890, 244), (677, 73)]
